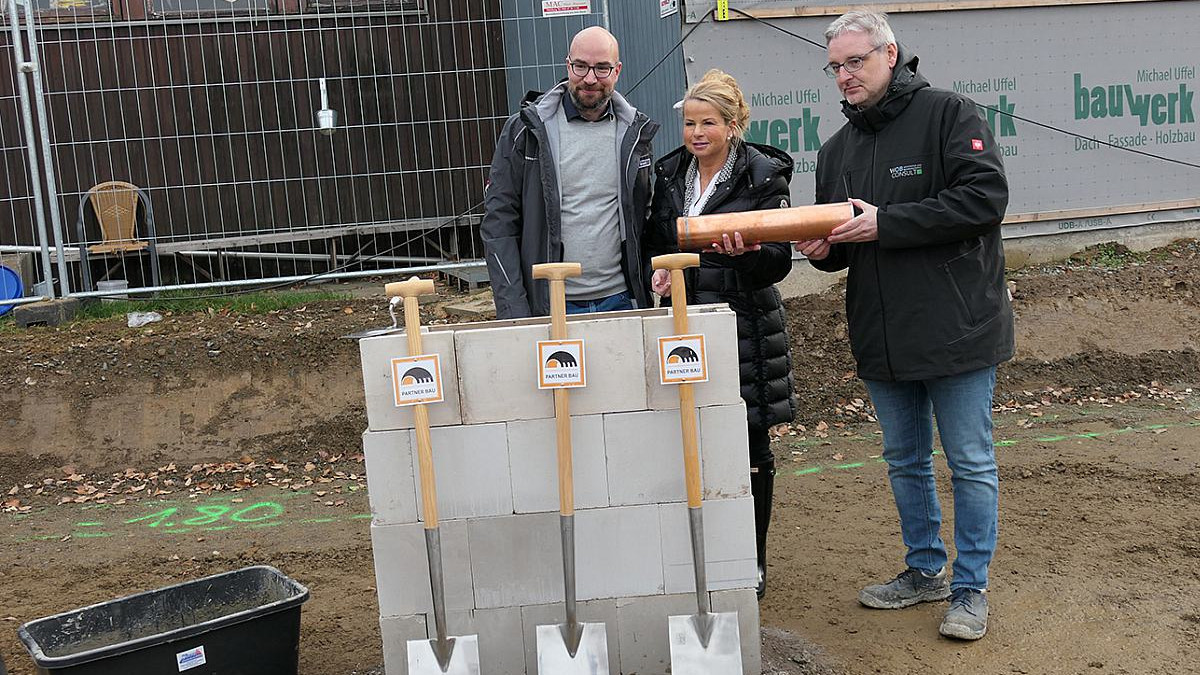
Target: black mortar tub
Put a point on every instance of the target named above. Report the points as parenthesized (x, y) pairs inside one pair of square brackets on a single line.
[(244, 622)]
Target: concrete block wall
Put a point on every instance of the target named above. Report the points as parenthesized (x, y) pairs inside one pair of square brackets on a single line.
[(495, 460)]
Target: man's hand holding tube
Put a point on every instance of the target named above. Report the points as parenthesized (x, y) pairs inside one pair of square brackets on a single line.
[(861, 228)]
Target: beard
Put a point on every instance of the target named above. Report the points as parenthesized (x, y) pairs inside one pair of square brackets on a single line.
[(600, 102)]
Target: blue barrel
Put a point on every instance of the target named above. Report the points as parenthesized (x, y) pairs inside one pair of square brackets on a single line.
[(10, 288)]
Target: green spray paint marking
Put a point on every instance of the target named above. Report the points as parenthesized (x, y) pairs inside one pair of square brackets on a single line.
[(88, 524), (319, 520), (1010, 442), (91, 535)]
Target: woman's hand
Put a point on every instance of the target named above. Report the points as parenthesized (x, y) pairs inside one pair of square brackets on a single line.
[(813, 249), (734, 246), (660, 283)]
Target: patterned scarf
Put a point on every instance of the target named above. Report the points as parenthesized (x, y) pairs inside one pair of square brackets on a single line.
[(689, 194)]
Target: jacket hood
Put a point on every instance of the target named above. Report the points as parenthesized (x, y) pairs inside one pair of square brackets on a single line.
[(763, 162), (905, 81), (546, 105)]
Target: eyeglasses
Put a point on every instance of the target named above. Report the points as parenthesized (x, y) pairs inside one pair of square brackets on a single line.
[(852, 64), (580, 69)]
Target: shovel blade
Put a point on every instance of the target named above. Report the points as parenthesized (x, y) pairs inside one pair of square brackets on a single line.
[(590, 659), (464, 657), (693, 654)]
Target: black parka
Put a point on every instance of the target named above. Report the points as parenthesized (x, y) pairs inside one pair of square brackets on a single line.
[(746, 282), (927, 299)]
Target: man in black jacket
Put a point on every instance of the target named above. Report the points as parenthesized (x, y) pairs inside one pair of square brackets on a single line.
[(926, 301), (570, 181)]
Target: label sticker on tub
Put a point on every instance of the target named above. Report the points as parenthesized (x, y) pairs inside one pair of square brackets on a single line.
[(681, 358), (417, 379), (192, 658), (560, 364)]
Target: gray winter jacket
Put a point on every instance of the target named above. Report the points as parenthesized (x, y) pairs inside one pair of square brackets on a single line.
[(522, 223)]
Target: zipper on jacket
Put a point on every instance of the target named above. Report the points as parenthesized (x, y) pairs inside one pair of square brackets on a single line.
[(887, 350)]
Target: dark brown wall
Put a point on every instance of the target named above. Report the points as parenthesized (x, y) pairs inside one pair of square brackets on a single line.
[(179, 108)]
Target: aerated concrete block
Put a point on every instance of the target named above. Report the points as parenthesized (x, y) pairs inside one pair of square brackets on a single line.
[(745, 603), (501, 644), (591, 611), (391, 486), (470, 465), (402, 568), (618, 552), (46, 313), (533, 458), (497, 371), (729, 545), (725, 450), (614, 357), (382, 412), (516, 560), (642, 625), (645, 457), (719, 327), (396, 631)]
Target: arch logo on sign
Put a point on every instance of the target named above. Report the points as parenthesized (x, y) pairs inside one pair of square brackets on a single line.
[(681, 358), (417, 379), (560, 364)]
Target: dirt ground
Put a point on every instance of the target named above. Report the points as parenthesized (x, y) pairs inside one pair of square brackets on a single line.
[(131, 459)]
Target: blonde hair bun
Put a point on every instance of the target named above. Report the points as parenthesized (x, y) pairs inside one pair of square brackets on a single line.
[(720, 90)]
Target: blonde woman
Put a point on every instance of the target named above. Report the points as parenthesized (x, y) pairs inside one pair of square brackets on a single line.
[(715, 171)]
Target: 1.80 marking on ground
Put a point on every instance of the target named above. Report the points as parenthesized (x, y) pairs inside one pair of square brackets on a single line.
[(170, 517)]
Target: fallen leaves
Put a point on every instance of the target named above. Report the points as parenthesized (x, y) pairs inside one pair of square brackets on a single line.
[(333, 472)]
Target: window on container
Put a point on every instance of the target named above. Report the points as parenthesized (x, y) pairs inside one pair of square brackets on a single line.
[(364, 5), (208, 7), (69, 10)]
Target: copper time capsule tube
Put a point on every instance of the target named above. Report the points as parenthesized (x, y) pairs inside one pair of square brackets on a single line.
[(794, 224)]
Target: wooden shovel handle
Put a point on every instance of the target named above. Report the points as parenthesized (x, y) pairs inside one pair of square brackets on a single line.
[(410, 290), (557, 274), (677, 262), (557, 270)]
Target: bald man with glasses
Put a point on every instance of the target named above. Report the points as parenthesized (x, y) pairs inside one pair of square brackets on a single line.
[(570, 181)]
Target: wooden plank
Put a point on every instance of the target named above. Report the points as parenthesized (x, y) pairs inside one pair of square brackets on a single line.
[(908, 7), (416, 225), (1067, 214)]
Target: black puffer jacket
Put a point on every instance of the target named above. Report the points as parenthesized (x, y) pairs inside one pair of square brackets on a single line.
[(747, 282)]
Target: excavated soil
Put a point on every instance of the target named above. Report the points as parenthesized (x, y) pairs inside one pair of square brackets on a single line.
[(131, 459)]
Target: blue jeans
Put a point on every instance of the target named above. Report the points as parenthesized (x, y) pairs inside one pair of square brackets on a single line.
[(962, 405), (612, 303)]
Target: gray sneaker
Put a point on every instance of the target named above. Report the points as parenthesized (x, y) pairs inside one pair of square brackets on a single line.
[(967, 617), (909, 588)]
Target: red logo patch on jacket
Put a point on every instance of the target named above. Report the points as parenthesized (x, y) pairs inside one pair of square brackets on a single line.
[(976, 144)]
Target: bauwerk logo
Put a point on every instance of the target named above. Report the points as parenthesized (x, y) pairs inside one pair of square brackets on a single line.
[(1121, 100), (906, 170)]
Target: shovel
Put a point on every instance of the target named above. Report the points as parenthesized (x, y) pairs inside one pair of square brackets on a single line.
[(570, 648), (703, 643), (442, 654)]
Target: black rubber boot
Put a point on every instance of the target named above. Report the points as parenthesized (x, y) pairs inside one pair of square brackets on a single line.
[(762, 486)]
